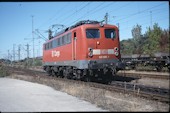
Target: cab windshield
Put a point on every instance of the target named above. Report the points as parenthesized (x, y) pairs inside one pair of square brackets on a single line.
[(110, 33), (92, 33)]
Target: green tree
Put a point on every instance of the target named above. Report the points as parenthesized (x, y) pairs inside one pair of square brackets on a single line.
[(136, 32), (126, 47), (137, 39), (153, 39), (164, 41)]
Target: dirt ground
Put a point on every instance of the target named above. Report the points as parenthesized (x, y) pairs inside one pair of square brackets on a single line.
[(112, 101)]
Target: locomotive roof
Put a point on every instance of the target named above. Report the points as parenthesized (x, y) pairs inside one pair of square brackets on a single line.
[(76, 25)]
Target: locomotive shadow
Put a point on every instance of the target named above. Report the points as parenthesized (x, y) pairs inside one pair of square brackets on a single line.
[(123, 78), (115, 78)]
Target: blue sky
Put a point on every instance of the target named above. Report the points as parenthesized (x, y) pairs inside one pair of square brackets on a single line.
[(16, 20)]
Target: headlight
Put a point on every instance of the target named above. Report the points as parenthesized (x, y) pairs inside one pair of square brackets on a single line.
[(116, 53), (116, 49), (90, 52)]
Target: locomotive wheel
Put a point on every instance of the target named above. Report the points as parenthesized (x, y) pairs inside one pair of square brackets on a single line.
[(86, 79), (158, 68), (57, 74), (108, 76), (67, 74), (48, 69), (78, 74), (107, 80), (60, 72), (53, 73)]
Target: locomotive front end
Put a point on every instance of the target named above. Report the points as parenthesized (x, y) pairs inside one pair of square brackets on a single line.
[(103, 48)]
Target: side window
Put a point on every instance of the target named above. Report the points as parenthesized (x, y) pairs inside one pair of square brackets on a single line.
[(58, 41), (68, 38), (47, 46), (54, 43), (44, 46), (65, 39), (62, 40), (110, 33), (51, 45)]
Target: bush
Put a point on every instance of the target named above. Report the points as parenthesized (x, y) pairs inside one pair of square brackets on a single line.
[(38, 62), (3, 71)]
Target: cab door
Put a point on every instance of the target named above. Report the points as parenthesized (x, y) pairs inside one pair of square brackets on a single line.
[(74, 45)]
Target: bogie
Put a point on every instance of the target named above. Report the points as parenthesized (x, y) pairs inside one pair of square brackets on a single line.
[(96, 75)]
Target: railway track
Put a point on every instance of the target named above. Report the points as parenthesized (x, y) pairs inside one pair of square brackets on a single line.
[(159, 94), (144, 75), (138, 74)]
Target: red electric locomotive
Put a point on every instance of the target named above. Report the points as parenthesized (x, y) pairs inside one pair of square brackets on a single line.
[(87, 50)]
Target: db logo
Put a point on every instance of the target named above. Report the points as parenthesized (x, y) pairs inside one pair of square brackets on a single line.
[(55, 53), (104, 51)]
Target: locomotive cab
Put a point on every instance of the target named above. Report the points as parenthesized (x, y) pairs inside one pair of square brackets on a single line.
[(102, 45)]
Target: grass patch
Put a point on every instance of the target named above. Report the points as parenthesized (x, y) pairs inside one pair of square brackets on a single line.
[(3, 71)]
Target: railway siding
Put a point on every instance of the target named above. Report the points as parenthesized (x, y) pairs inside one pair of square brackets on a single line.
[(139, 74)]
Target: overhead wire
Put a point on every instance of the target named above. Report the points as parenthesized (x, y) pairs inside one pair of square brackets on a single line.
[(53, 16), (117, 8), (143, 16), (141, 25), (160, 19), (140, 12), (67, 16), (46, 21), (77, 11), (94, 11), (87, 13), (91, 12)]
